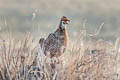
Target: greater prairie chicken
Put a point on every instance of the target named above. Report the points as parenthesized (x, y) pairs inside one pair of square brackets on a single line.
[(56, 43)]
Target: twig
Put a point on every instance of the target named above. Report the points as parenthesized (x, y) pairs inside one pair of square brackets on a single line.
[(55, 75), (98, 31), (4, 59)]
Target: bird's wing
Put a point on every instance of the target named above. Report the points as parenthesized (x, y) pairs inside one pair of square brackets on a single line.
[(50, 39), (53, 45), (50, 43)]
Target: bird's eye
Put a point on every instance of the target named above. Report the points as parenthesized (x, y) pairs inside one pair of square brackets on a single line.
[(63, 22)]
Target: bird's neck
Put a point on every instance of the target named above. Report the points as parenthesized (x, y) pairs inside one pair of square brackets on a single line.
[(62, 26), (66, 37)]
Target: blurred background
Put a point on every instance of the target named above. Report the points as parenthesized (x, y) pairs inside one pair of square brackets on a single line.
[(41, 17)]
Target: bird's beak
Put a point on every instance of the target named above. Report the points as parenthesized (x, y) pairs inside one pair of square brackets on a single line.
[(67, 22)]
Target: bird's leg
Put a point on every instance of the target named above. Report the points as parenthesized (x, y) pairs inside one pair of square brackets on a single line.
[(57, 61), (52, 64), (52, 68)]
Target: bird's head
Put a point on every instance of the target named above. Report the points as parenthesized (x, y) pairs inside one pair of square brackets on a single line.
[(64, 21)]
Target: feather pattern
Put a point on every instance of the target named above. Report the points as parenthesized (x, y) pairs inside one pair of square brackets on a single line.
[(56, 43)]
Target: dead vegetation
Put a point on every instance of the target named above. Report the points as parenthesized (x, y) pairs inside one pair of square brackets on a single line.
[(84, 60)]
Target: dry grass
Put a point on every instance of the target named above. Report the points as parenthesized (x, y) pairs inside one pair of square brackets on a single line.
[(89, 59)]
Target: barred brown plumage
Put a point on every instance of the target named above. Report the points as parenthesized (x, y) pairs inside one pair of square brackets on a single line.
[(56, 42)]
